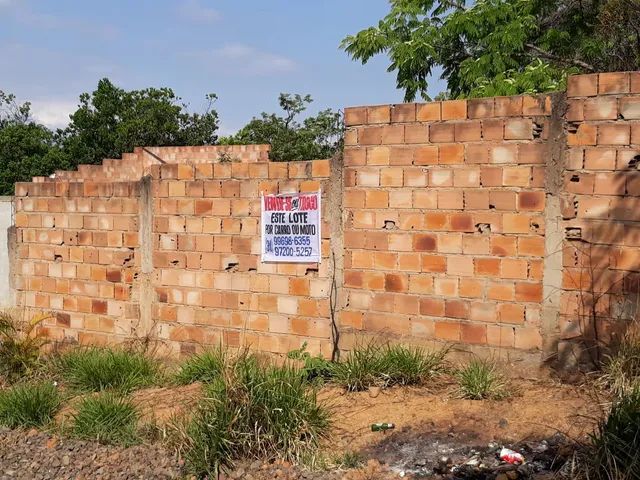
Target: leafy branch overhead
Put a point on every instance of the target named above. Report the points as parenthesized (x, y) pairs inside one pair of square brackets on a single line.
[(500, 47)]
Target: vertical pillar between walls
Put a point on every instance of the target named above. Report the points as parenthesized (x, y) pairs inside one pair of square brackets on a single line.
[(144, 284), (336, 220), (554, 234)]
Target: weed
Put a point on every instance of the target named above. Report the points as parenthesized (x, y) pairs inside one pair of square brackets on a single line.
[(349, 459), (20, 344), (403, 365), (107, 418), (621, 371), (97, 369), (360, 370), (313, 367), (29, 405), (614, 449), (203, 367), (387, 365), (254, 411), (481, 379)]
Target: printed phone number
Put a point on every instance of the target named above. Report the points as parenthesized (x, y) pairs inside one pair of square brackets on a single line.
[(292, 241), (292, 251)]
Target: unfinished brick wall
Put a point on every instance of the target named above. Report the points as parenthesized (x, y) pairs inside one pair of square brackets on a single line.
[(76, 252), (504, 223), (444, 227), (600, 206), (82, 251)]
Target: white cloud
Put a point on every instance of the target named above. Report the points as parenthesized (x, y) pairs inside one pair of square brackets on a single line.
[(53, 113), (195, 12), (246, 60)]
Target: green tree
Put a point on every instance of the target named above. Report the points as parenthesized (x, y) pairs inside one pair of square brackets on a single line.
[(501, 47), (318, 136), (111, 121), (27, 149)]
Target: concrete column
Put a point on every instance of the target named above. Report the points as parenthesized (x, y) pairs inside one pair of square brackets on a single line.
[(143, 286)]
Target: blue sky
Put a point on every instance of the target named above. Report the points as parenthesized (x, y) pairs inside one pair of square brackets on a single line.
[(245, 51)]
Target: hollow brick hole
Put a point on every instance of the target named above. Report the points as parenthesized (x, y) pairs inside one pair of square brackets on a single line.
[(389, 225), (311, 272), (537, 129), (57, 258), (634, 162), (573, 233), (232, 266), (483, 227), (572, 127), (575, 178)]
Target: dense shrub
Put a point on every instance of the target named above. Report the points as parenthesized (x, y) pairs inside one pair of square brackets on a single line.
[(621, 371), (28, 405)]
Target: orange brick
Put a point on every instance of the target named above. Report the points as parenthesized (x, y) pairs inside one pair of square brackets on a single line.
[(427, 155), (518, 129), (428, 112), (582, 85), (434, 263), (404, 112), (447, 331), (460, 265), (370, 135), (474, 334), (501, 291), (416, 133), (528, 338), (600, 159), (394, 282), (355, 156), (391, 177), (487, 267), (321, 168), (469, 287), (504, 246), (508, 106), (614, 134), (630, 108), (461, 222), (441, 133), (601, 108), (378, 156), (454, 110), (516, 223), (511, 313), (500, 336), (456, 308), (480, 107), (531, 201), (614, 82), (467, 131), (586, 134), (403, 156), (483, 312), (528, 292), (355, 116), (451, 200), (376, 199), (425, 243), (514, 268), (516, 176), (433, 307), (477, 153), (452, 153)]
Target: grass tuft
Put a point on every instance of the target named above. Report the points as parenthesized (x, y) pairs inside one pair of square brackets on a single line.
[(29, 405), (481, 379), (387, 365), (97, 369), (205, 367), (107, 418), (614, 449), (254, 411)]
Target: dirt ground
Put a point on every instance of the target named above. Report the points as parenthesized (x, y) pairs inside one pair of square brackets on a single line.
[(433, 428)]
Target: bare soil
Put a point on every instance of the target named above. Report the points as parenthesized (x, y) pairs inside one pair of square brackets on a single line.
[(436, 435)]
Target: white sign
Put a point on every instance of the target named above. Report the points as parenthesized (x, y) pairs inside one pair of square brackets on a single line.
[(291, 228)]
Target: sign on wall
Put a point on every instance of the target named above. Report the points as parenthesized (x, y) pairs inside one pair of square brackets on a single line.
[(291, 228)]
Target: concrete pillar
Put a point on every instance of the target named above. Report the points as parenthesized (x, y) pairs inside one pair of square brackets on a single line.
[(143, 286)]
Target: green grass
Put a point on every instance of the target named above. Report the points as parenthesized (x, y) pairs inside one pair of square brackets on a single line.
[(481, 379), (387, 365), (107, 418), (614, 449), (205, 367), (29, 405), (254, 411), (97, 369)]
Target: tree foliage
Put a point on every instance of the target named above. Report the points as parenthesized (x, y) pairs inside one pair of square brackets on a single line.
[(108, 122), (501, 47), (318, 136)]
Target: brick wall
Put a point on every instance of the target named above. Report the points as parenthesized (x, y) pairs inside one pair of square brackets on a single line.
[(444, 226), (601, 251), (503, 223)]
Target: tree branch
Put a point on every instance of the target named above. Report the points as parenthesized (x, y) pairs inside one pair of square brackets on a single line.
[(550, 56)]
